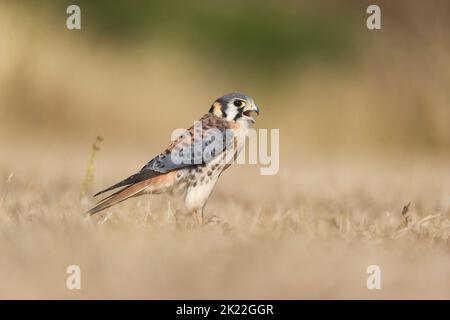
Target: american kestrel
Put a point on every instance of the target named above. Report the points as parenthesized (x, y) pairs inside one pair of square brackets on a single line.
[(193, 162)]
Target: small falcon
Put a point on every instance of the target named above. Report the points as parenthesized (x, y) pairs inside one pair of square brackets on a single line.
[(193, 163)]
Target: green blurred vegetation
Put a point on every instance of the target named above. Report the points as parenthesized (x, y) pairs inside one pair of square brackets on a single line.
[(263, 37)]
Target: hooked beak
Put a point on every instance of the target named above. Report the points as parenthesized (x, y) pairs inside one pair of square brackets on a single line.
[(248, 110)]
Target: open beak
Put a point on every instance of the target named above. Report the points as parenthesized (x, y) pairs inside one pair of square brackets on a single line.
[(248, 110)]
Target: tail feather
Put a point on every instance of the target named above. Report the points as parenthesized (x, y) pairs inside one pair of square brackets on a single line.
[(138, 177), (157, 184), (119, 196)]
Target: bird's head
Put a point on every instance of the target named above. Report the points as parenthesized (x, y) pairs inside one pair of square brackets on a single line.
[(235, 107)]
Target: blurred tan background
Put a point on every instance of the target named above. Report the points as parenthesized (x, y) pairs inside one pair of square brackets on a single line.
[(364, 129), (136, 71)]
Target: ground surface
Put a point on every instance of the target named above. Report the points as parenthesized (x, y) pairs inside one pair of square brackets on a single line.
[(309, 232)]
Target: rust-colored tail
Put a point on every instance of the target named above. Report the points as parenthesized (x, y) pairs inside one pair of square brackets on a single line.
[(119, 196), (160, 183)]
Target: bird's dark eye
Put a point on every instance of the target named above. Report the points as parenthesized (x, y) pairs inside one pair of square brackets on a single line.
[(237, 103)]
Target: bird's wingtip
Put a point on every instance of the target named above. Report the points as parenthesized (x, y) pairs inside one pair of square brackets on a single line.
[(97, 194)]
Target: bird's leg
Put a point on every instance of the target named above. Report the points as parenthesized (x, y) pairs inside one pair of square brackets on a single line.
[(198, 214)]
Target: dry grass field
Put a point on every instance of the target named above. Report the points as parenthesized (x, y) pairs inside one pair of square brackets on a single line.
[(358, 142), (308, 233)]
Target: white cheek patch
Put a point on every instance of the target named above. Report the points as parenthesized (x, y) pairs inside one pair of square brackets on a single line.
[(231, 112)]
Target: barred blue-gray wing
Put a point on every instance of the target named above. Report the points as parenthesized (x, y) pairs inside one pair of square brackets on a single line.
[(200, 144)]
